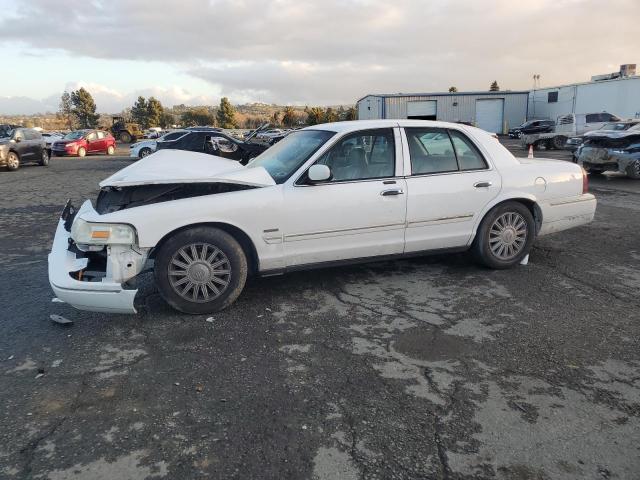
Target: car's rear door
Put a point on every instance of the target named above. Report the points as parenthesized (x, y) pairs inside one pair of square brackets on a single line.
[(93, 144), (449, 183), (359, 213)]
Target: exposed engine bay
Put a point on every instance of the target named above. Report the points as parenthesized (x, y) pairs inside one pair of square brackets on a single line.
[(113, 199)]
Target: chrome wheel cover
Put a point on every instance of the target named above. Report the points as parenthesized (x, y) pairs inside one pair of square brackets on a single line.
[(508, 235), (199, 272)]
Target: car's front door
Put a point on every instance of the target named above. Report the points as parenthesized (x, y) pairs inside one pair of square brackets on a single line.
[(22, 144), (360, 212), (450, 184)]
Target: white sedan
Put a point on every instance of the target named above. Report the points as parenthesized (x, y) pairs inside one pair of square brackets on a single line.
[(326, 194)]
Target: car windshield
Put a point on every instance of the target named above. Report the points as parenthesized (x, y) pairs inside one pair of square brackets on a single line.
[(286, 156), (6, 132), (74, 135)]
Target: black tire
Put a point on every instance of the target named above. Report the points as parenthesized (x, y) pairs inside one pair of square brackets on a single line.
[(199, 271), (125, 137), (144, 152), (13, 161), (559, 142), (633, 170), (44, 161), (82, 152), (483, 248)]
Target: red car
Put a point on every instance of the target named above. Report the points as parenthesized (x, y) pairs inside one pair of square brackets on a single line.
[(82, 142)]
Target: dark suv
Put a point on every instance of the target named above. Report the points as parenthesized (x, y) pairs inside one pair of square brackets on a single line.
[(22, 145), (532, 126), (212, 141)]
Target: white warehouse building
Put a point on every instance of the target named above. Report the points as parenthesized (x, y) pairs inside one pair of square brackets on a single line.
[(617, 93), (492, 111), (620, 96)]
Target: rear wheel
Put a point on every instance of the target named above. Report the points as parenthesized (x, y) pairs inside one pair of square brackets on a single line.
[(144, 152), (111, 150), (505, 236), (125, 137), (44, 160), (13, 161), (559, 142), (82, 152), (200, 270)]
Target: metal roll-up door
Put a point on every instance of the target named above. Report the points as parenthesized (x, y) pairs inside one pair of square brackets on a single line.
[(422, 110), (490, 114)]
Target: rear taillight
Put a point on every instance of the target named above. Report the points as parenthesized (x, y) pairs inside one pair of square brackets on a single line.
[(585, 182)]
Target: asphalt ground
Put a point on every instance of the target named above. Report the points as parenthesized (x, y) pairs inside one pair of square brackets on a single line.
[(427, 368)]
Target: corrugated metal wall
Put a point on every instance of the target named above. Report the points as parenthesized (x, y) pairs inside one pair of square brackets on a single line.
[(461, 108)]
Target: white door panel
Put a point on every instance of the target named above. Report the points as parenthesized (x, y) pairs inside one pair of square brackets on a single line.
[(442, 209), (337, 221)]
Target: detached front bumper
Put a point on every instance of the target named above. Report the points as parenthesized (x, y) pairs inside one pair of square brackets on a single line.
[(97, 296)]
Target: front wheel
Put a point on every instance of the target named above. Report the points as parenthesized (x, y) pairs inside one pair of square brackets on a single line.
[(44, 160), (144, 152), (505, 236), (200, 270), (82, 152), (13, 161), (111, 150), (125, 137)]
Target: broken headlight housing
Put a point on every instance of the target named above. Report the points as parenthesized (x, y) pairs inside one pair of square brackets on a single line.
[(89, 233)]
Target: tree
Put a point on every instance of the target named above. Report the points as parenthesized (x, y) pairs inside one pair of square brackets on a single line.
[(154, 112), (197, 116), (315, 115), (330, 115), (139, 112), (289, 117), (453, 89), (494, 87), (275, 118), (351, 114), (167, 119), (65, 110), (226, 114), (84, 108)]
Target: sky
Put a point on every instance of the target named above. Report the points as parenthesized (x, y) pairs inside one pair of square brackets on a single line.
[(301, 52)]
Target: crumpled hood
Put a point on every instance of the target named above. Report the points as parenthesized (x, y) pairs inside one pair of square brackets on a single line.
[(179, 166), (613, 134)]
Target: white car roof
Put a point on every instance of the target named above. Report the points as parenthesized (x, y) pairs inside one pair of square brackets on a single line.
[(355, 125)]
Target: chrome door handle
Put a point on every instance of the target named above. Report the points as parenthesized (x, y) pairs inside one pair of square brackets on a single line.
[(482, 184), (392, 191)]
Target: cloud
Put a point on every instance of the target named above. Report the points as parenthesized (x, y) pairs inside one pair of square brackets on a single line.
[(303, 51)]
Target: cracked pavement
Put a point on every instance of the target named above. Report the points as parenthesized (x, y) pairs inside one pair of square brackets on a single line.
[(427, 368)]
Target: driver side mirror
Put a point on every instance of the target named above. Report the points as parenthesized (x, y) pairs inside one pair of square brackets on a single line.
[(319, 173)]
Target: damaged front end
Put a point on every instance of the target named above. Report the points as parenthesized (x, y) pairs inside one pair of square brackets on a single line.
[(93, 265), (613, 152)]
